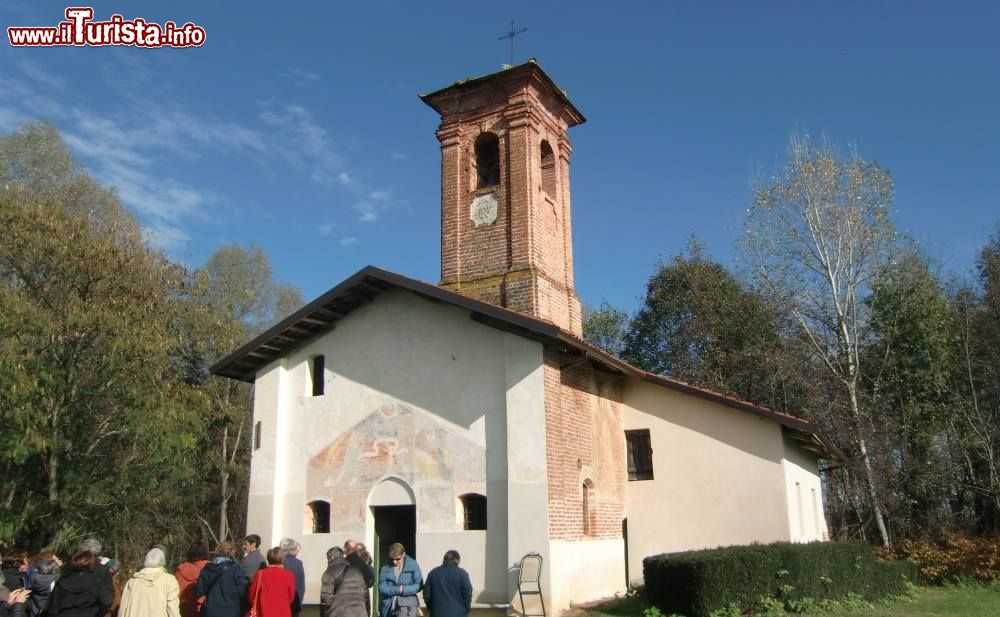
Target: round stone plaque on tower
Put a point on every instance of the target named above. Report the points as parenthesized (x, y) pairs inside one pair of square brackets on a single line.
[(485, 209)]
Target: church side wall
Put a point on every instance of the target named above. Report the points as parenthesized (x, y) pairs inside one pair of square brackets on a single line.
[(585, 446), (806, 518), (414, 390), (266, 403), (719, 477)]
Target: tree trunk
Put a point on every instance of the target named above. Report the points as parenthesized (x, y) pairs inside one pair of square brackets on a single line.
[(224, 487), (869, 473)]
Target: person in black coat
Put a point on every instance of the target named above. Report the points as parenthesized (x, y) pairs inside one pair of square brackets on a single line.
[(106, 569), (448, 590), (12, 602), (357, 557), (81, 590), (15, 562), (224, 585)]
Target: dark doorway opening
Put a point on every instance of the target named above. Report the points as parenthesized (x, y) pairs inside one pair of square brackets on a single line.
[(394, 524)]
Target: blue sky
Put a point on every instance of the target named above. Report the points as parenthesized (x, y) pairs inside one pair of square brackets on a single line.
[(299, 129)]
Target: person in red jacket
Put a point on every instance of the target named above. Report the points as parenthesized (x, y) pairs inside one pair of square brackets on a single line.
[(187, 575), (273, 587)]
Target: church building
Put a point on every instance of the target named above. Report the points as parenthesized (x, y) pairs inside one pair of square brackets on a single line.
[(472, 415)]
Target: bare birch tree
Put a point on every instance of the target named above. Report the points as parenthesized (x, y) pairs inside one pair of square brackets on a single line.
[(818, 236)]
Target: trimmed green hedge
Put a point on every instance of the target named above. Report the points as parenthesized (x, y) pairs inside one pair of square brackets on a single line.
[(698, 582)]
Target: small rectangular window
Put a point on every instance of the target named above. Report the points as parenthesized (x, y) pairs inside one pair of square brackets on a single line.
[(640, 455), (318, 375), (256, 435)]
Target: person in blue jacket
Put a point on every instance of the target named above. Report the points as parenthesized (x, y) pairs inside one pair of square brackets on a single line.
[(399, 582), (223, 584), (448, 591)]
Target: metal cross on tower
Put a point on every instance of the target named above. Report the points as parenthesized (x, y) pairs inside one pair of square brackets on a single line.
[(510, 35)]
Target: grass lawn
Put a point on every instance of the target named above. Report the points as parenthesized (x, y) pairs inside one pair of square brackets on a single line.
[(967, 601)]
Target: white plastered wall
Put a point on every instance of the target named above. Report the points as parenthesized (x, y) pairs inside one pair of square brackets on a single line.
[(806, 518), (719, 477), (586, 570), (458, 376)]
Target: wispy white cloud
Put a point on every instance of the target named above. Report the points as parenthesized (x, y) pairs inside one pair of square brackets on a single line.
[(371, 207), (303, 74), (22, 95), (36, 73), (165, 237), (336, 232), (310, 148), (10, 119), (367, 211), (156, 198), (126, 151), (179, 131), (133, 146), (103, 142)]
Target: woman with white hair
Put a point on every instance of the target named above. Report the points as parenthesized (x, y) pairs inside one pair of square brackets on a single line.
[(293, 564), (152, 591)]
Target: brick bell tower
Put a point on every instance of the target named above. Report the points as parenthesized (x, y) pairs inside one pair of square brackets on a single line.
[(505, 208)]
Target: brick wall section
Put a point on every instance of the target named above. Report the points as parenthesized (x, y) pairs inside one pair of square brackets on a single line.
[(585, 439), (523, 260)]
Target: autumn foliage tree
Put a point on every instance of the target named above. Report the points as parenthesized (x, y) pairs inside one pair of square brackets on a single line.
[(88, 409), (111, 424)]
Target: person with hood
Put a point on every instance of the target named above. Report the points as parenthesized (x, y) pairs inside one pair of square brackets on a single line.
[(399, 582), (187, 576), (152, 591), (81, 590), (41, 581), (273, 588), (222, 584)]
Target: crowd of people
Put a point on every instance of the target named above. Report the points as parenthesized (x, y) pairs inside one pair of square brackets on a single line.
[(223, 584)]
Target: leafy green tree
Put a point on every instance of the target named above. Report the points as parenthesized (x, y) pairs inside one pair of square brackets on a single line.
[(907, 369), (977, 382), (605, 327), (699, 324)]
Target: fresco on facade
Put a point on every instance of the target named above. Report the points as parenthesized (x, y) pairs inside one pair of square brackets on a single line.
[(437, 462)]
